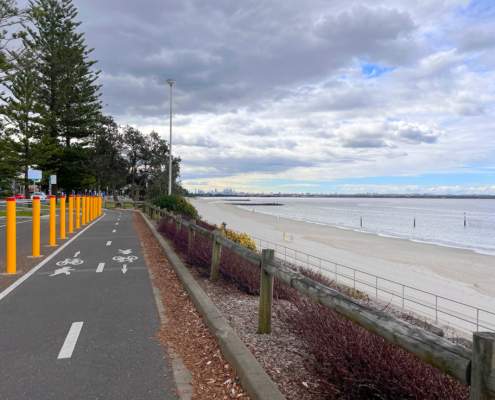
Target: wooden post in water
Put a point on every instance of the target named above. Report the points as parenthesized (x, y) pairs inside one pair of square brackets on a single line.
[(361, 221), (414, 222), (216, 255), (483, 366), (266, 293), (465, 221)]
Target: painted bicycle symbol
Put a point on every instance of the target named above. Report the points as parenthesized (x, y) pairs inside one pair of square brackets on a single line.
[(122, 259), (70, 261)]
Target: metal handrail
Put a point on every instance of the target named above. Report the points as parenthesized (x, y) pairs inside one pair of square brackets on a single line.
[(476, 321)]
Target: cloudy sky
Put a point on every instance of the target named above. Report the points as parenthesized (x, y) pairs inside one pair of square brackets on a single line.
[(308, 96)]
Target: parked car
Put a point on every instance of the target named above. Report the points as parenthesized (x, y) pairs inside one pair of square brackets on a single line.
[(20, 196), (41, 195)]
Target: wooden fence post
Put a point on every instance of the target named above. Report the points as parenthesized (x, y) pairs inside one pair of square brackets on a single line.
[(178, 224), (190, 237), (266, 293), (216, 255), (483, 366)]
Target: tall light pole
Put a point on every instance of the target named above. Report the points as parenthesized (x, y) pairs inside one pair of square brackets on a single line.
[(171, 83)]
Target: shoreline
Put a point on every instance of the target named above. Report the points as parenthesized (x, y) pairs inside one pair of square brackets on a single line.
[(485, 252), (458, 274)]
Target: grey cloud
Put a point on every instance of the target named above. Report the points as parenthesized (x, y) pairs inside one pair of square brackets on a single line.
[(225, 165), (364, 141), (227, 55), (479, 38)]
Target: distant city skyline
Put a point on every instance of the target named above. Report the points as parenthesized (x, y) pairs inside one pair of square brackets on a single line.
[(335, 96)]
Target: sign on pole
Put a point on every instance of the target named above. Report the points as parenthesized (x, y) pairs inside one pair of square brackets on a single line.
[(34, 174), (53, 179)]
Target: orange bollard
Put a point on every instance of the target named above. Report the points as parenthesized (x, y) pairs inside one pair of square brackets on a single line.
[(53, 220), (78, 210), (36, 244), (62, 217), (83, 210), (71, 213), (10, 237)]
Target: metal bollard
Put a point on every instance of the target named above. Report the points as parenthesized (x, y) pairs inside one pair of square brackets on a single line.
[(53, 220), (10, 237), (36, 227)]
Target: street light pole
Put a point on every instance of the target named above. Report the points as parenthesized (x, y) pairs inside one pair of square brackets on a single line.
[(171, 83)]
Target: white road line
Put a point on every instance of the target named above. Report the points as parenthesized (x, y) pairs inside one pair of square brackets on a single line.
[(115, 230), (116, 223), (109, 243), (70, 341), (100, 267), (76, 254), (46, 260)]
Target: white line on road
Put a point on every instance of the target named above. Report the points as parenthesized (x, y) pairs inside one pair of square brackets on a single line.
[(116, 223), (46, 260), (124, 268), (70, 341), (100, 267), (76, 254), (115, 230), (109, 243)]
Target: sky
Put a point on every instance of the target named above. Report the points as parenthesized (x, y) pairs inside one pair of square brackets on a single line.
[(327, 96)]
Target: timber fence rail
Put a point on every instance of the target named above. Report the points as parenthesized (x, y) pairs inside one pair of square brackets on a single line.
[(475, 368)]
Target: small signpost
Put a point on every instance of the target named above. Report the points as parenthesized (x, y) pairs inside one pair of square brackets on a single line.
[(53, 181)]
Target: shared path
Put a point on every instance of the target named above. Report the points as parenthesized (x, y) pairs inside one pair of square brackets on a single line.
[(82, 324)]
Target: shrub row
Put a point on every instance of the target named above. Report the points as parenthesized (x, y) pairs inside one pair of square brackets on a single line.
[(352, 362)]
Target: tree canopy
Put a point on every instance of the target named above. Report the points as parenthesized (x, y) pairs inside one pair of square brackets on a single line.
[(51, 112)]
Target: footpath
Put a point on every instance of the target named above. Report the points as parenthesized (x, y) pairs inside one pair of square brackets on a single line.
[(82, 324)]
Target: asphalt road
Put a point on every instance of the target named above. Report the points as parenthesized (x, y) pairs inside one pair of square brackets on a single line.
[(85, 328), (24, 243)]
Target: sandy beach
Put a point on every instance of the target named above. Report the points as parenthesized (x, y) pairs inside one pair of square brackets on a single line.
[(457, 274)]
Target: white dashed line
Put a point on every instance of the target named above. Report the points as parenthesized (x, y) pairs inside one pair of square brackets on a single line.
[(115, 230), (70, 341), (100, 267), (109, 243)]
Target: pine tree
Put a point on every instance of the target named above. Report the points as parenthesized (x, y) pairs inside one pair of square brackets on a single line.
[(21, 112), (68, 91)]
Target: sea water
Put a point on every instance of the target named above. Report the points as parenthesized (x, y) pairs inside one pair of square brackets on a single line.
[(462, 223)]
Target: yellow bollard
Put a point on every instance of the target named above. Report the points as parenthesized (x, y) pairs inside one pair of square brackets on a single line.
[(90, 208), (78, 210), (36, 226), (62, 217), (71, 213), (100, 200), (53, 220), (83, 210), (10, 237)]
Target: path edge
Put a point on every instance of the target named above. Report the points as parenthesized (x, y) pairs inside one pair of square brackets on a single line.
[(254, 379)]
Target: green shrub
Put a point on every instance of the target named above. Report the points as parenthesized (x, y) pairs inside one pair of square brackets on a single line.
[(176, 204)]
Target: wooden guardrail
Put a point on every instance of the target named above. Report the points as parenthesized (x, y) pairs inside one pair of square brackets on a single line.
[(475, 367)]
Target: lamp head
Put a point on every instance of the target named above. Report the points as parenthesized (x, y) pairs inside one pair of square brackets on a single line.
[(171, 82)]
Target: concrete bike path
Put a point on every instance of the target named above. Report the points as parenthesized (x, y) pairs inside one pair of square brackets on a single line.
[(83, 326)]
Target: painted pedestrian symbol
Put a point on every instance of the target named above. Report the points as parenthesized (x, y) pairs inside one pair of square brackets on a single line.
[(70, 261), (63, 270)]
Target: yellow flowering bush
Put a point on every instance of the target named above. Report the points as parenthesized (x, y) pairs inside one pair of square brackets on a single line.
[(242, 238)]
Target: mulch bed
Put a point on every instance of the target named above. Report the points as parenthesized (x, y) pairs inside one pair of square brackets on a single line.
[(184, 331), (283, 355)]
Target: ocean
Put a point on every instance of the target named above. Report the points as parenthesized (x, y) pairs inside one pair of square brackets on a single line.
[(436, 221)]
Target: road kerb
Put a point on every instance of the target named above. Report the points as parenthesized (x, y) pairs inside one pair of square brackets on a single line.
[(254, 379)]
